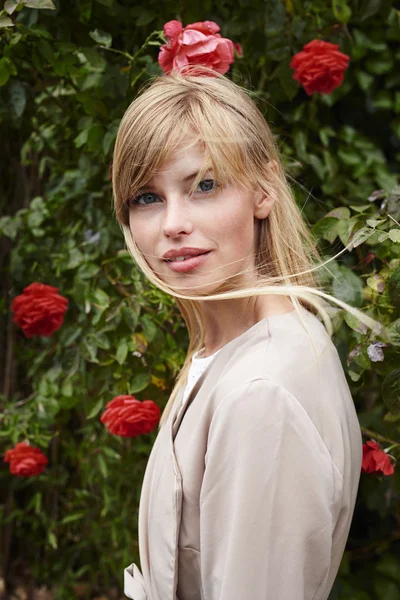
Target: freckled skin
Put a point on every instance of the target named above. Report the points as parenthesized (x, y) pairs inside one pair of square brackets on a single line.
[(221, 221)]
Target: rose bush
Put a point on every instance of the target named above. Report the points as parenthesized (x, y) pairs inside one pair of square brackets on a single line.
[(128, 417), (39, 310), (196, 44), (319, 67), (375, 459), (66, 78), (25, 460)]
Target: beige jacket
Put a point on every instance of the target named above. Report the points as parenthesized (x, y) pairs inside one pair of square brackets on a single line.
[(249, 494)]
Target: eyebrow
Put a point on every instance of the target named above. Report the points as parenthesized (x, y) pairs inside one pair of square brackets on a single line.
[(187, 178), (193, 175)]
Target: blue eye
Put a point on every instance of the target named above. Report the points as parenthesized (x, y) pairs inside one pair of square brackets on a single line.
[(145, 199), (207, 185)]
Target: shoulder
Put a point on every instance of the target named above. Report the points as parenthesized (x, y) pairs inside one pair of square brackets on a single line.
[(292, 349), (262, 414), (288, 368)]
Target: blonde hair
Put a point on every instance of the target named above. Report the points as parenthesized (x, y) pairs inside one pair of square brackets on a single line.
[(240, 147)]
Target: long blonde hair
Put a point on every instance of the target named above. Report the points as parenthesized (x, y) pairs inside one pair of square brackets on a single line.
[(240, 147)]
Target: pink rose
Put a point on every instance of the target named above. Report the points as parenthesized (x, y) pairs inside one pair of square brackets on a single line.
[(196, 44)]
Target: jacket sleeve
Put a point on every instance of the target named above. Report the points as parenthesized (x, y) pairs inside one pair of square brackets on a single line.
[(266, 500)]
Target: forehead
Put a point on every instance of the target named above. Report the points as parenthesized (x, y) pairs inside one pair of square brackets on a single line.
[(185, 158)]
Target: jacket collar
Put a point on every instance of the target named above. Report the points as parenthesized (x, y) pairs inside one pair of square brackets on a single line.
[(216, 368)]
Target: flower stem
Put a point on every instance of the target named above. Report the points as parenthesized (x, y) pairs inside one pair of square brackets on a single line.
[(377, 436)]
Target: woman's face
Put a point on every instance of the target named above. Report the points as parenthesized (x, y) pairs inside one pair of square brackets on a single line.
[(199, 241)]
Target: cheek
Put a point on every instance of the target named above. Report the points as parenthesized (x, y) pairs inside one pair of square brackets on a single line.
[(236, 228), (142, 233)]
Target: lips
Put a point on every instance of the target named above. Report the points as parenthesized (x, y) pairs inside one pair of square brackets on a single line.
[(181, 258), (183, 263), (183, 254)]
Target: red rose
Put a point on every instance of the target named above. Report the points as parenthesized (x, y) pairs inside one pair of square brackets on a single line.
[(25, 460), (39, 310), (319, 67), (196, 44), (375, 459), (128, 417)]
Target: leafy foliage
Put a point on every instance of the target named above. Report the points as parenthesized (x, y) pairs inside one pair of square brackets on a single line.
[(67, 73)]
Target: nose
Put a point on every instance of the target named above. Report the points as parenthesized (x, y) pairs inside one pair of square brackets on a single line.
[(176, 220)]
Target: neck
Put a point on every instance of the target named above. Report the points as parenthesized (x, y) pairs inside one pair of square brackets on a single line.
[(227, 319)]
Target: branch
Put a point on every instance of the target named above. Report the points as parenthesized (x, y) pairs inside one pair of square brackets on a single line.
[(377, 436)]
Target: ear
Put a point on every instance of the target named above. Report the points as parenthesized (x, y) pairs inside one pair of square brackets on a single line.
[(264, 201)]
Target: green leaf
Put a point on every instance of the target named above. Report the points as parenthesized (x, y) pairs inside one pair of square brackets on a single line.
[(341, 10), (39, 4), (102, 340), (370, 8), (72, 518), (146, 16), (394, 235), (102, 465), (375, 222), (51, 538), (326, 228), (67, 389), (376, 282), (111, 453), (365, 80), (285, 76), (101, 37), (74, 259), (139, 383), (122, 352), (17, 98), (380, 66), (383, 100), (360, 236), (317, 165), (355, 323), (341, 212), (101, 298), (325, 133), (300, 142), (95, 409), (89, 350), (10, 6), (5, 22), (88, 270), (347, 286), (394, 332), (4, 70), (149, 327), (94, 58), (130, 316), (345, 228), (81, 138), (8, 227), (391, 392), (383, 237), (394, 288), (351, 159), (69, 402), (35, 219)]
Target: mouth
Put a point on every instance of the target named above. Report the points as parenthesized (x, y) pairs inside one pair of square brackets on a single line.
[(186, 262), (183, 258)]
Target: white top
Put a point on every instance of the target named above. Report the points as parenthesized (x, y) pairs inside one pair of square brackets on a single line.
[(197, 368)]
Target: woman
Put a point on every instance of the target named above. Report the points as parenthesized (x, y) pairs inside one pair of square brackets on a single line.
[(250, 487)]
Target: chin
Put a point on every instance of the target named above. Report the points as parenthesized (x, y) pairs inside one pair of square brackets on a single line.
[(198, 286)]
